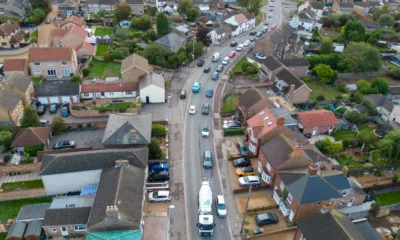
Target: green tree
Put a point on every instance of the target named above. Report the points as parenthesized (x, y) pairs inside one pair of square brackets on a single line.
[(155, 152), (332, 147), (360, 57), (158, 130), (152, 11), (326, 46), (192, 14), (122, 11), (358, 96), (354, 117), (121, 34), (5, 139), (41, 4), (102, 13), (30, 118), (375, 208), (75, 79), (394, 72), (252, 6), (316, 36), (377, 12), (184, 6), (386, 20), (381, 85), (354, 31), (58, 126), (120, 53), (389, 146), (198, 49), (324, 73), (368, 138), (329, 59), (162, 25), (143, 22), (39, 13), (155, 54)]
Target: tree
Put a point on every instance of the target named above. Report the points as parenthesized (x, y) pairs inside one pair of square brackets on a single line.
[(326, 46), (375, 209), (192, 14), (329, 59), (121, 34), (102, 13), (155, 152), (152, 11), (58, 126), (202, 36), (155, 54), (158, 130), (252, 6), (316, 36), (380, 84), (122, 11), (76, 79), (332, 147), (354, 117), (386, 20), (389, 146), (377, 12), (394, 72), (41, 4), (120, 53), (143, 22), (354, 31), (358, 96), (324, 73), (36, 15), (184, 6), (198, 49), (5, 139), (360, 57), (162, 25), (368, 138), (30, 118)]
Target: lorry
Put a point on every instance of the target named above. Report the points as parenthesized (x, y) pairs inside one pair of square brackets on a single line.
[(206, 222)]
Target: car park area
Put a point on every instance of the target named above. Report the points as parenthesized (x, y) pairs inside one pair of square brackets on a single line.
[(251, 225), (236, 188), (83, 139)]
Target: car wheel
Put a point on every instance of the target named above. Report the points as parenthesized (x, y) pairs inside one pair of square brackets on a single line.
[(240, 175), (151, 201), (166, 200)]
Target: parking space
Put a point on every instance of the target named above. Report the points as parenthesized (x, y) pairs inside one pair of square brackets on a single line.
[(84, 139), (257, 202), (250, 222), (155, 209), (236, 188), (231, 145)]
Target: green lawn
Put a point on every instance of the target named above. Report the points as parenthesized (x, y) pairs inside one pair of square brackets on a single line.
[(103, 31), (117, 106), (320, 89), (101, 49), (34, 34), (3, 236), (104, 69), (341, 135), (388, 198), (9, 187), (231, 105), (36, 79), (10, 209)]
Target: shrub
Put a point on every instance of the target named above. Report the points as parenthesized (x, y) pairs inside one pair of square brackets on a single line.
[(108, 57), (91, 64), (155, 151), (305, 79), (346, 143), (320, 145), (58, 125), (32, 150), (395, 178), (7, 158), (321, 98), (234, 132), (85, 72), (75, 79), (342, 88), (158, 130), (80, 126), (368, 165)]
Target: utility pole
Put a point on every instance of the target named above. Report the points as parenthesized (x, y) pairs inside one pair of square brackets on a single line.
[(194, 42), (245, 210)]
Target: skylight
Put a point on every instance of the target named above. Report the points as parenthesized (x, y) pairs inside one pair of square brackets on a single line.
[(270, 123), (266, 118), (262, 113)]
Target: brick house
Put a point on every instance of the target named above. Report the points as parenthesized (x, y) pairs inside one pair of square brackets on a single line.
[(137, 6), (71, 21), (20, 66), (269, 68), (53, 62), (297, 66), (252, 102), (31, 137), (133, 67), (308, 193), (317, 122), (11, 35), (74, 37), (291, 87), (21, 85), (11, 107)]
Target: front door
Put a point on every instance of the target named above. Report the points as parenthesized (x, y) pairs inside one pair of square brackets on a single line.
[(147, 99), (350, 202), (64, 231)]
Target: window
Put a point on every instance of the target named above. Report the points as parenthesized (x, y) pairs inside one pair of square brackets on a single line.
[(66, 73), (86, 94), (111, 93), (60, 5), (19, 104), (252, 148), (36, 63), (318, 204), (72, 5), (140, 11), (64, 63), (266, 177), (289, 198), (129, 93), (133, 5), (50, 64), (268, 166), (54, 230), (36, 71), (80, 228), (51, 72), (60, 45), (282, 186), (133, 10)]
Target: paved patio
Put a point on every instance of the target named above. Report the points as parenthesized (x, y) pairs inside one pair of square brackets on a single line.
[(159, 110)]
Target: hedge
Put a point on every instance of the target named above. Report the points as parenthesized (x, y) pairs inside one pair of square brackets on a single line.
[(158, 130), (32, 150), (234, 131)]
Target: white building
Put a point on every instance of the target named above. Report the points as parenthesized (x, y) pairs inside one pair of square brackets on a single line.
[(241, 23), (152, 88), (221, 34), (99, 89)]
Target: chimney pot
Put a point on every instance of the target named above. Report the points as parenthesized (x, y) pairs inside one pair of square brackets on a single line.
[(120, 163), (313, 169)]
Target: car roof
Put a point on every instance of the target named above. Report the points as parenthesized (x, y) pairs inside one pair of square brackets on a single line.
[(192, 106), (163, 193), (221, 199), (196, 83), (248, 168), (253, 178)]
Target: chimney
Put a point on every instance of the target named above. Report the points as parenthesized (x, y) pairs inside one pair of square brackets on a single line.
[(112, 213), (291, 92), (132, 132), (120, 163), (280, 121), (297, 151), (313, 169)]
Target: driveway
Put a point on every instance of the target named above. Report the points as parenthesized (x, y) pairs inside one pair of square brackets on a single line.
[(44, 30), (82, 139)]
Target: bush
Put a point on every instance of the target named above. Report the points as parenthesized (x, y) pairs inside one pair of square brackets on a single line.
[(155, 151), (32, 40), (395, 178), (234, 132), (346, 143), (75, 79), (32, 150), (58, 126), (85, 72), (7, 158), (321, 98), (342, 88), (158, 130), (368, 165), (305, 79), (394, 72), (107, 57), (320, 145)]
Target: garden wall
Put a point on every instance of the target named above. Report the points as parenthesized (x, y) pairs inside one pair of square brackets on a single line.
[(23, 168), (32, 193)]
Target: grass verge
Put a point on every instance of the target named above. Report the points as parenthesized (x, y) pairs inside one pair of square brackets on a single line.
[(12, 186), (10, 209)]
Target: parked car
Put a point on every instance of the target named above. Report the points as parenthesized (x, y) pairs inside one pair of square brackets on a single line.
[(44, 122), (241, 146), (209, 93), (182, 95), (159, 196), (260, 56), (192, 109), (48, 21), (232, 54), (64, 144), (158, 176), (259, 34), (233, 44), (221, 206), (41, 110), (270, 15), (253, 40), (245, 171), (253, 33), (206, 109), (53, 108), (207, 159), (266, 23), (264, 29), (271, 9), (215, 76), (225, 61), (220, 68), (266, 218), (196, 87), (205, 130), (207, 69), (241, 162), (249, 180), (200, 63), (273, 27), (158, 167), (232, 125), (246, 43), (64, 112), (240, 48)]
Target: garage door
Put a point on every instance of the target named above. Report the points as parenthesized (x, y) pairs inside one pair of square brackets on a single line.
[(53, 99), (43, 100), (65, 99)]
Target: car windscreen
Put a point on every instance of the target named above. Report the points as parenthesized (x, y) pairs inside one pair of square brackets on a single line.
[(221, 206)]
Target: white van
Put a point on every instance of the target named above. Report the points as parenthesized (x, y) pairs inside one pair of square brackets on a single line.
[(44, 122), (216, 57)]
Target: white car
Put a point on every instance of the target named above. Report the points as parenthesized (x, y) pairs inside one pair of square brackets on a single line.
[(260, 56), (249, 180), (270, 15), (226, 61), (221, 206), (205, 130), (240, 47), (192, 109), (159, 196), (246, 43)]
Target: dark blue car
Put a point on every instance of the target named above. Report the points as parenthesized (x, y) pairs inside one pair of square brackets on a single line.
[(158, 167), (209, 93), (215, 76)]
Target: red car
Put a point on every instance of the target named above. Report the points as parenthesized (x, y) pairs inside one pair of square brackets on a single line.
[(273, 27), (232, 54)]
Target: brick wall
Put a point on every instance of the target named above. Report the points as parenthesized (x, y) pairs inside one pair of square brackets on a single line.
[(23, 168), (32, 193)]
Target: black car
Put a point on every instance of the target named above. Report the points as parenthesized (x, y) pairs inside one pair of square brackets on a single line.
[(158, 176), (233, 44), (64, 144), (242, 149), (207, 69), (200, 63), (182, 95), (206, 109), (41, 110), (266, 218), (241, 162), (253, 33)]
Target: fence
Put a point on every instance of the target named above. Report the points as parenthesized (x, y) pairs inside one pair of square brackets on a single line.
[(381, 168), (362, 74)]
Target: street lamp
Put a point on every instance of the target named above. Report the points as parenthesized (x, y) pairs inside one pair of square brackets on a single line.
[(194, 41), (170, 208)]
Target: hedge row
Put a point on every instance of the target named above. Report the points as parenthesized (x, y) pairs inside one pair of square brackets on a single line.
[(234, 131)]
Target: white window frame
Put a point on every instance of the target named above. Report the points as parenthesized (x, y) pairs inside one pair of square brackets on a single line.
[(282, 186), (129, 92), (111, 93), (64, 63), (65, 71), (268, 166), (36, 63), (50, 64), (253, 138), (55, 72), (266, 178), (252, 148), (54, 230), (345, 192), (290, 198), (36, 71), (79, 228)]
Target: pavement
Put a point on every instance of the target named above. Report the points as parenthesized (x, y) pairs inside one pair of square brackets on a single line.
[(83, 139), (70, 119)]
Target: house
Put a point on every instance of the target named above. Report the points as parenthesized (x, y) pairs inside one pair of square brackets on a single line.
[(99, 89), (68, 7), (241, 23), (269, 68), (152, 88), (14, 8), (220, 34), (32, 212), (59, 92), (308, 193), (182, 30), (316, 7), (11, 107), (387, 110), (291, 87), (20, 66), (74, 37), (11, 35), (137, 6), (21, 85), (361, 8), (31, 139), (342, 7), (306, 20), (394, 92), (94, 6), (370, 25), (128, 130), (317, 122), (252, 102), (171, 42), (71, 21), (54, 62), (297, 66), (70, 171), (133, 67)]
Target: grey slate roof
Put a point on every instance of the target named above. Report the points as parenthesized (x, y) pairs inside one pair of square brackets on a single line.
[(16, 230), (346, 5), (370, 24), (119, 126), (34, 228), (66, 216), (18, 81), (340, 182), (122, 187), (271, 63), (69, 162), (329, 225), (394, 90), (379, 100), (289, 78), (367, 230), (223, 29), (170, 40), (283, 112), (151, 79), (318, 6), (277, 151), (362, 109), (250, 97), (32, 212), (295, 62), (8, 100), (56, 88)]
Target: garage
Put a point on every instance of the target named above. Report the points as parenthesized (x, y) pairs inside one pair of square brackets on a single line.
[(43, 100), (57, 91), (53, 100), (65, 99), (152, 88)]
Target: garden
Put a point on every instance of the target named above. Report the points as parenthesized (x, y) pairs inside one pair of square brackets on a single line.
[(387, 198), (230, 103), (157, 146), (101, 32), (13, 186), (106, 107), (103, 69), (246, 68), (101, 49), (10, 209)]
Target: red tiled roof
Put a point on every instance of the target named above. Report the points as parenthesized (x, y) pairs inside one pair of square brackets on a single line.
[(261, 121), (240, 18), (108, 87), (317, 118), (50, 54), (74, 19), (58, 32), (87, 46), (80, 32), (14, 64), (31, 136)]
